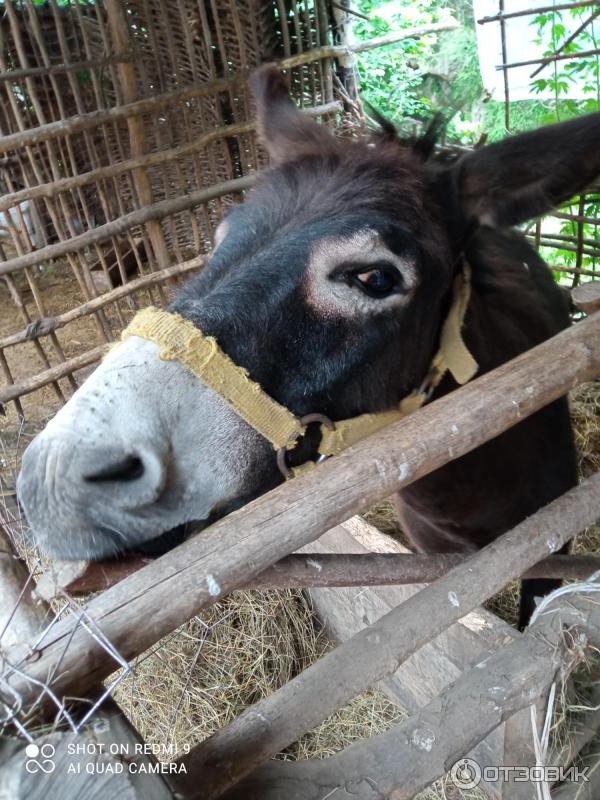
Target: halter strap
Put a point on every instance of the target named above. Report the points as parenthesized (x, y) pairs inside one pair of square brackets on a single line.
[(180, 340)]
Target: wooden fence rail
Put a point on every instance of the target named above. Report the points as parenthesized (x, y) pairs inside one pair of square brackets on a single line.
[(310, 572), (172, 589), (274, 723), (411, 755)]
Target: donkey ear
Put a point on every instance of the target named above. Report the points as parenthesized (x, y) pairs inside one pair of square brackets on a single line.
[(284, 130), (527, 175)]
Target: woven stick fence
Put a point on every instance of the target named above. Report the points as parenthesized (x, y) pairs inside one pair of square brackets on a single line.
[(126, 132), (582, 246)]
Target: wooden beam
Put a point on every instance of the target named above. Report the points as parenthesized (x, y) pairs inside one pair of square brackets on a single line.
[(172, 589), (272, 724), (587, 296), (309, 572)]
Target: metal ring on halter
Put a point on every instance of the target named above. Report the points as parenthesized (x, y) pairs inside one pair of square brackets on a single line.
[(427, 386), (284, 467)]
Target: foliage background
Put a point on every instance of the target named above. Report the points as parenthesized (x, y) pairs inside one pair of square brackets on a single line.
[(411, 80)]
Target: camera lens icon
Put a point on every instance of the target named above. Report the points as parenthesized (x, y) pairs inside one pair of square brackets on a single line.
[(466, 774)]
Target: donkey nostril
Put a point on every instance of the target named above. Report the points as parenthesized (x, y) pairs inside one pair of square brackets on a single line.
[(129, 468)]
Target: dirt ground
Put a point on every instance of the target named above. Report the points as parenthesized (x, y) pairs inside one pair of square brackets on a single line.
[(59, 292)]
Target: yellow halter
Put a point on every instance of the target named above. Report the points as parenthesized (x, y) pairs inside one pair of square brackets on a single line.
[(180, 340)]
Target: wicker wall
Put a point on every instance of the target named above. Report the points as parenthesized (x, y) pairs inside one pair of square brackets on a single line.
[(114, 117)]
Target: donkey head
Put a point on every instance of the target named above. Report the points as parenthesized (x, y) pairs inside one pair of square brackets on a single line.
[(329, 285)]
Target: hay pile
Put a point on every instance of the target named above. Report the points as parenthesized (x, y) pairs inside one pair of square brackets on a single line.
[(234, 654), (242, 649)]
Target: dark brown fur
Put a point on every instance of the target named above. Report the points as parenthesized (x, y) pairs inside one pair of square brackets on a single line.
[(250, 297)]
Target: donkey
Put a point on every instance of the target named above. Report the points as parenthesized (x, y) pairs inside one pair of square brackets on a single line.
[(329, 285)]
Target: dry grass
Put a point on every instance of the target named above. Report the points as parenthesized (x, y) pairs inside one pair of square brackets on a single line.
[(239, 651), (234, 654)]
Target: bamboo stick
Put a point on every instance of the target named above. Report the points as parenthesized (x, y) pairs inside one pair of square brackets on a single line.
[(55, 69), (24, 314), (570, 270), (567, 42), (125, 223), (534, 11), (576, 240), (95, 118), (206, 567), (43, 326), (576, 218), (28, 385), (550, 59), (570, 248)]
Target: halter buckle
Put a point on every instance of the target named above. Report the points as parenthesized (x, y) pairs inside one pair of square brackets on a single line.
[(284, 467)]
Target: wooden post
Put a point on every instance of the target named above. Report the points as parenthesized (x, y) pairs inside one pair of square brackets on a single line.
[(346, 70), (135, 125), (22, 619), (173, 588)]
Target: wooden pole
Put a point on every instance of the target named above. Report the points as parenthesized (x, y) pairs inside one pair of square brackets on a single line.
[(318, 571), (567, 42), (124, 223), (137, 135), (549, 59), (206, 567), (410, 756), (370, 655), (44, 326), (20, 616), (534, 11), (28, 385)]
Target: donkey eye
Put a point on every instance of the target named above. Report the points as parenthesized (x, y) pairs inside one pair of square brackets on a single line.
[(378, 280)]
